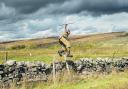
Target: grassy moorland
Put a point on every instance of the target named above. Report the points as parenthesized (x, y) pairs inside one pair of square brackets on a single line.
[(99, 45), (97, 81)]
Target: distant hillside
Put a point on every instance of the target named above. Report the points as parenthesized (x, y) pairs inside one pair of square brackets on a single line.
[(77, 38), (45, 42)]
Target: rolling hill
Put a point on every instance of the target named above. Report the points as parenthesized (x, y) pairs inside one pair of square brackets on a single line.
[(44, 49)]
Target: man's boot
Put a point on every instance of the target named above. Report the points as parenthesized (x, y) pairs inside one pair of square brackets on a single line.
[(69, 54)]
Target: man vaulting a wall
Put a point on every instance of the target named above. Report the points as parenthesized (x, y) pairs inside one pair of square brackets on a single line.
[(65, 43)]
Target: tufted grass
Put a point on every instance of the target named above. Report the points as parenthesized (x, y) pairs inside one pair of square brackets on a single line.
[(94, 46), (99, 81)]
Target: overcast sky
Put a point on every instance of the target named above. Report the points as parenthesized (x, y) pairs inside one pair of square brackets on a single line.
[(21, 19)]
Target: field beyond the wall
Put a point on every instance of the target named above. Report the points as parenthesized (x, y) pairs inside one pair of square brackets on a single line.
[(45, 49), (112, 45)]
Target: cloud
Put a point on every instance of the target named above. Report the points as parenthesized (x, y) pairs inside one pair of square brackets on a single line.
[(105, 23), (29, 28), (46, 33), (69, 6), (30, 6), (6, 12), (23, 19)]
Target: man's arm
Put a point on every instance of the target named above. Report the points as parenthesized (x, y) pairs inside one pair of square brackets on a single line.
[(66, 27)]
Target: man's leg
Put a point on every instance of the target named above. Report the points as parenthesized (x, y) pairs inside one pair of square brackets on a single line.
[(61, 52), (63, 48), (66, 47), (69, 53)]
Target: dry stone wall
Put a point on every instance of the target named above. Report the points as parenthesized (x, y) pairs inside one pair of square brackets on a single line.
[(15, 71)]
